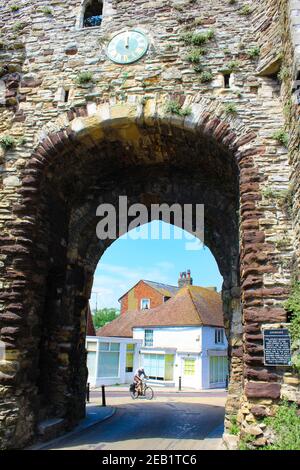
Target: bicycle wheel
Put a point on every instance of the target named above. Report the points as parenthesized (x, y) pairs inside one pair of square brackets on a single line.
[(148, 393), (134, 395)]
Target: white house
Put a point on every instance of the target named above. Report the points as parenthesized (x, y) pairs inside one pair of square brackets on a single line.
[(111, 361), (182, 338)]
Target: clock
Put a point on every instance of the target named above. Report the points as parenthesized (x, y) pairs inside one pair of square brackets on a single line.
[(127, 47)]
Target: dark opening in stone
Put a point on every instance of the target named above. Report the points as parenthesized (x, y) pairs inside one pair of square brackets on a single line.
[(93, 14)]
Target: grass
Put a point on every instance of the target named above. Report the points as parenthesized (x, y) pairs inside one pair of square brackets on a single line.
[(245, 442), (84, 77), (230, 109), (47, 11), (254, 52), (231, 67), (7, 142), (234, 428), (286, 427), (197, 39), (246, 10), (282, 137), (173, 107), (205, 76), (283, 74), (194, 55), (292, 305), (19, 26)]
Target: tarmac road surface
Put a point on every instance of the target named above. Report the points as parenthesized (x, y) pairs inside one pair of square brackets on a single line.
[(151, 425)]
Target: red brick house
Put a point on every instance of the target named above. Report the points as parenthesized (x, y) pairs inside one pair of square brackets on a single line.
[(148, 294)]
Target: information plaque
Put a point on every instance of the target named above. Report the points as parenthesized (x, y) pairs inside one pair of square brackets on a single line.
[(277, 347)]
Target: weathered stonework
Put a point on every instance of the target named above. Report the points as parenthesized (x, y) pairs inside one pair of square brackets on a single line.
[(113, 136)]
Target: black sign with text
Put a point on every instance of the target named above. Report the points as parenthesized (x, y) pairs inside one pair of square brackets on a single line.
[(277, 347)]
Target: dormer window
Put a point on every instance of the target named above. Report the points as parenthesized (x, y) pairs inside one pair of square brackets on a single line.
[(93, 13)]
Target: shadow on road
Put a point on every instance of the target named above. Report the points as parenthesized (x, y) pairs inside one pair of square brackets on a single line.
[(150, 425)]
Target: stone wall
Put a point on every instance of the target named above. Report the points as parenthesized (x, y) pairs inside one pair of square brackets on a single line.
[(70, 151)]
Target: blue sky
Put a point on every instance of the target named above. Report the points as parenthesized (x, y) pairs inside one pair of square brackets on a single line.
[(128, 260)]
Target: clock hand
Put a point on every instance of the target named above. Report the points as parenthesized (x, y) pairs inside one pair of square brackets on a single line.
[(127, 42)]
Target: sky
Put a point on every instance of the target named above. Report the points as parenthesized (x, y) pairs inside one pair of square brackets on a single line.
[(132, 258)]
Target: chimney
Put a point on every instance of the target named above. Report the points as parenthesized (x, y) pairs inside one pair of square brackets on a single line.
[(185, 279)]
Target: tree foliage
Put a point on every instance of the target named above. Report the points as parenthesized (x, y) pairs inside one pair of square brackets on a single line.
[(104, 315)]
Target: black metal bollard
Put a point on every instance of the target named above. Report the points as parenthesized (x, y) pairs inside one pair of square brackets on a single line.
[(103, 395), (88, 392), (179, 385), (226, 383)]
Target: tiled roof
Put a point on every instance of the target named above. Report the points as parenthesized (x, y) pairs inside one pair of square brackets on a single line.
[(164, 289), (191, 306)]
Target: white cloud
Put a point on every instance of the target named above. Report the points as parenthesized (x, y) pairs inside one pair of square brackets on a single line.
[(112, 281)]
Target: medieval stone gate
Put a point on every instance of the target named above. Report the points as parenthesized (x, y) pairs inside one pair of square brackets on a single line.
[(202, 117)]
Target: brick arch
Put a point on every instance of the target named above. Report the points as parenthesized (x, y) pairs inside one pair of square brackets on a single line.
[(78, 131)]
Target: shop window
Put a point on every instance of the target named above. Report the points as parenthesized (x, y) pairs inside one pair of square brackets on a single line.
[(109, 360), (218, 370)]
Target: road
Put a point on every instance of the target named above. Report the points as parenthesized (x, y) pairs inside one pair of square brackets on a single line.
[(96, 394), (156, 425)]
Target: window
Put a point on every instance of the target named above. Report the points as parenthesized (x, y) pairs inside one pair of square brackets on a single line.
[(109, 359), (145, 304), (93, 13), (219, 336), (91, 346), (227, 77), (66, 97), (218, 369), (129, 357), (148, 338), (189, 367), (154, 365), (104, 347)]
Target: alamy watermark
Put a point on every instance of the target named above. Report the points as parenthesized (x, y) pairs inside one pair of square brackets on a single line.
[(121, 221)]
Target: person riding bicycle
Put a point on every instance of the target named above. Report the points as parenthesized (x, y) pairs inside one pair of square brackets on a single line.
[(138, 379)]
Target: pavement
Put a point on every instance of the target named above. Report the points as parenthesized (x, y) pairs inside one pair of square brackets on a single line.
[(95, 415), (171, 421)]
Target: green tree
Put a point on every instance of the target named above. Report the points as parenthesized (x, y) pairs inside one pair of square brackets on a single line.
[(104, 315)]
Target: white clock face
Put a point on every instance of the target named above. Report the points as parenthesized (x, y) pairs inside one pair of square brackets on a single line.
[(127, 47)]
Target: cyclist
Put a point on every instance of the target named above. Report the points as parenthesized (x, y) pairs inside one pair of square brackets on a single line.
[(138, 379)]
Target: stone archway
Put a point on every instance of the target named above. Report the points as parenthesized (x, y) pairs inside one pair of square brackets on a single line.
[(92, 155)]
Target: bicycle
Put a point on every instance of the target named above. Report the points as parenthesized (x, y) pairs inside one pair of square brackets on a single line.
[(146, 392)]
